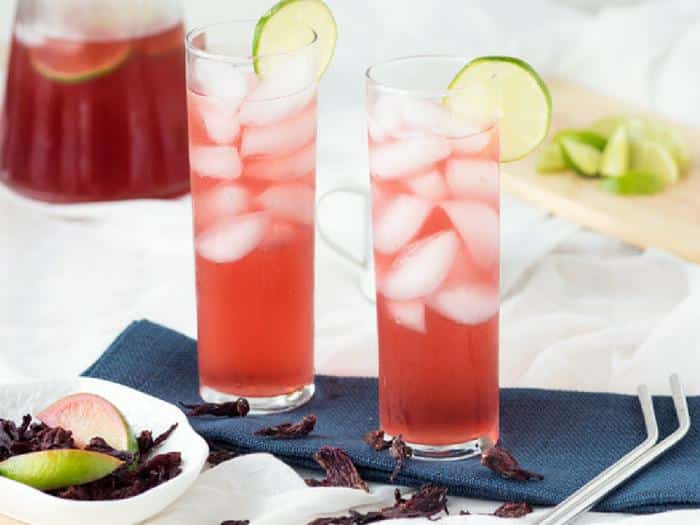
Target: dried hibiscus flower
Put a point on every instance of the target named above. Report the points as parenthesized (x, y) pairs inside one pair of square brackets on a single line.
[(31, 437), (400, 451), (216, 457), (236, 522), (513, 510), (376, 440), (340, 470), (238, 408), (299, 429), (426, 503), (505, 465)]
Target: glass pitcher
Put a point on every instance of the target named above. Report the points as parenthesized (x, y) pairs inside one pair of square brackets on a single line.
[(95, 101)]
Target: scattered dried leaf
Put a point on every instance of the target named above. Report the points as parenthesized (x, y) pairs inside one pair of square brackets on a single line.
[(426, 503), (238, 408), (505, 465), (376, 440), (340, 470), (400, 451), (296, 430), (513, 510)]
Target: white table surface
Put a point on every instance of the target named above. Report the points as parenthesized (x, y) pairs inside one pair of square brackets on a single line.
[(70, 280)]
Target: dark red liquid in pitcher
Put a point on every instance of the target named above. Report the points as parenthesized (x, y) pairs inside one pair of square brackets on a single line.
[(96, 120)]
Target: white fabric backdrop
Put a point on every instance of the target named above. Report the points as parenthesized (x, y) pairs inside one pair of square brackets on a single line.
[(581, 311)]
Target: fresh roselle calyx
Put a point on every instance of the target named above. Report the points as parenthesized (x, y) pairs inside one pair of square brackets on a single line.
[(513, 510), (426, 503), (400, 451), (340, 470), (296, 430), (376, 440), (238, 408), (505, 465)]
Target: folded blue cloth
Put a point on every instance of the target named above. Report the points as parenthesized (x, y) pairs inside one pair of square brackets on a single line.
[(567, 436)]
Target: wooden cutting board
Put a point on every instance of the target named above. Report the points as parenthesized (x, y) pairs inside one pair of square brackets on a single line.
[(669, 220)]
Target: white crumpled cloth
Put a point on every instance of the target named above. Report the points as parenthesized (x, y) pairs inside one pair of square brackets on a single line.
[(580, 311)]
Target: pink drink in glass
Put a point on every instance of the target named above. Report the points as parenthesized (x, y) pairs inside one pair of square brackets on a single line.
[(435, 190), (253, 156)]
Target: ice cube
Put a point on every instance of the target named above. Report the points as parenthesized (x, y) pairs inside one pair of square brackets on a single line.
[(468, 303), (216, 161), (281, 92), (420, 270), (294, 202), (222, 80), (421, 115), (399, 222), (232, 239), (385, 120), (471, 144), (405, 157), (477, 224), (430, 185), (473, 178), (279, 232), (221, 202), (280, 138), (220, 119), (410, 314), (292, 166)]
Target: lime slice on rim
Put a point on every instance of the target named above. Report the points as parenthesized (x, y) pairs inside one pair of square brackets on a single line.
[(513, 92), (74, 62), (615, 160), (279, 30), (634, 183), (582, 158), (551, 160), (653, 157)]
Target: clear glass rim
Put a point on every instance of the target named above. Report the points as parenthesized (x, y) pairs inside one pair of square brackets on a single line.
[(235, 59), (373, 81)]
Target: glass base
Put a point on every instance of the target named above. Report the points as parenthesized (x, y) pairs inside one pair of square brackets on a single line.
[(455, 452), (263, 405)]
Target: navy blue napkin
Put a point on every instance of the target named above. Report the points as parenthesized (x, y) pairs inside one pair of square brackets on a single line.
[(567, 436)]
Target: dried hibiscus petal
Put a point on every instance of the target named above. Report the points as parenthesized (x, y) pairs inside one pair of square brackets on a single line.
[(217, 457), (238, 408), (426, 503), (340, 470), (513, 510), (505, 465), (400, 451), (376, 440), (299, 429), (236, 522), (98, 444)]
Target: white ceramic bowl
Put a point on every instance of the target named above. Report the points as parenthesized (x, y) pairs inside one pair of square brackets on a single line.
[(143, 413)]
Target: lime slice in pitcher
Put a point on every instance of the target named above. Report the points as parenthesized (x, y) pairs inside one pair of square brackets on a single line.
[(72, 62), (281, 30), (511, 90)]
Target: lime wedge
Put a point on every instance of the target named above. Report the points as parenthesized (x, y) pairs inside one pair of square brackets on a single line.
[(510, 90), (653, 157), (605, 127), (550, 159), (591, 138), (73, 62), (282, 30), (582, 158), (615, 160), (634, 183)]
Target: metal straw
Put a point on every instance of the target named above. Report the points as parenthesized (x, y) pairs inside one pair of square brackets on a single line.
[(593, 491)]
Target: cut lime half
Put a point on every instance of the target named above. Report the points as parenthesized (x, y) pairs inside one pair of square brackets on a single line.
[(615, 160), (582, 158), (283, 30), (653, 157), (76, 62), (633, 183), (513, 93)]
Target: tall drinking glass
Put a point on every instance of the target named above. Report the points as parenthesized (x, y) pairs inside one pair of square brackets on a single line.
[(435, 214), (252, 129)]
